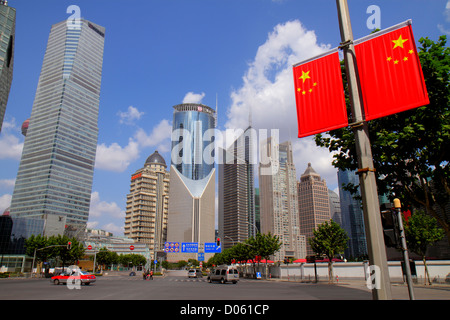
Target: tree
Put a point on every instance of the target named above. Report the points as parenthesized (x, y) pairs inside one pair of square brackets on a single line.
[(36, 242), (410, 149), (421, 231), (131, 260), (329, 239)]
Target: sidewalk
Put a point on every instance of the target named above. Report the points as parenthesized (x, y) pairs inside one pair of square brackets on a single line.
[(399, 290)]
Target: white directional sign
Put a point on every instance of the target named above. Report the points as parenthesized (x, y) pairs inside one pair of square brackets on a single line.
[(189, 247)]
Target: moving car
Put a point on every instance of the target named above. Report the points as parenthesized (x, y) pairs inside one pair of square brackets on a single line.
[(85, 278), (193, 273), (224, 274)]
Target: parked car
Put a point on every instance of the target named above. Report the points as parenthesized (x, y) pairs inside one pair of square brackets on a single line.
[(194, 273), (224, 274), (85, 277)]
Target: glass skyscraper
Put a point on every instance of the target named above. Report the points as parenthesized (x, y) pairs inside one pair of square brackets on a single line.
[(236, 191), (7, 34), (56, 169), (192, 177)]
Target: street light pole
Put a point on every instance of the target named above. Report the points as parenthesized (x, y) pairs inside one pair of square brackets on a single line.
[(367, 182)]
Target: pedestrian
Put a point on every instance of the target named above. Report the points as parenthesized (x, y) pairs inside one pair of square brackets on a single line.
[(144, 275), (151, 274)]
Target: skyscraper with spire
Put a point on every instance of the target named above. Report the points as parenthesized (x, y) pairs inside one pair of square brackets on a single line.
[(57, 165), (7, 36), (313, 203)]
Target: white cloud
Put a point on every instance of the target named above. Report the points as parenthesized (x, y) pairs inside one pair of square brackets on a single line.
[(159, 137), (130, 116), (447, 18), (10, 144), (268, 91), (7, 183), (5, 202), (116, 158), (99, 208), (192, 97)]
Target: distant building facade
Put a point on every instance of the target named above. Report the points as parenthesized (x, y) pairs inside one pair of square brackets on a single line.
[(7, 37), (148, 204), (313, 203), (279, 201), (352, 215), (236, 190)]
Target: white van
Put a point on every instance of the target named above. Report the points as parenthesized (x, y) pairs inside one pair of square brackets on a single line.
[(224, 274)]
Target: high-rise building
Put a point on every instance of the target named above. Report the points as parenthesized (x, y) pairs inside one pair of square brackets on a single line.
[(279, 201), (148, 204), (57, 165), (236, 191), (192, 179), (313, 203), (7, 35), (352, 215)]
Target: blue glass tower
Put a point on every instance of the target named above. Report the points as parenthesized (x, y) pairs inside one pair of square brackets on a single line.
[(192, 177), (57, 165)]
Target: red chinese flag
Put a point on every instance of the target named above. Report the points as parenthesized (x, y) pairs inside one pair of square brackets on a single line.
[(319, 94), (390, 73)]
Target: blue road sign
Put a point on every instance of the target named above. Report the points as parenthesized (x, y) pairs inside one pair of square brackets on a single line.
[(212, 247), (172, 247), (201, 256), (189, 247)]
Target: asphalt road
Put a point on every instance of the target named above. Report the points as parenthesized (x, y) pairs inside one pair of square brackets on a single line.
[(175, 286), (177, 295)]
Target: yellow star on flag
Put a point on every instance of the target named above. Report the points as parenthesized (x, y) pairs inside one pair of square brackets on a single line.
[(305, 75), (399, 42)]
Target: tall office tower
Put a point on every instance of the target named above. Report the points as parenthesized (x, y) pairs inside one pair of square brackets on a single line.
[(279, 201), (313, 203), (192, 179), (352, 215), (335, 207), (56, 170), (236, 191), (7, 34), (148, 204)]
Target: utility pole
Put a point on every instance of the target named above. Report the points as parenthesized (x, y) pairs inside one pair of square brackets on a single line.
[(366, 171), (398, 209)]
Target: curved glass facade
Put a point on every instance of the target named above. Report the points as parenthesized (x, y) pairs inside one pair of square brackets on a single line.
[(192, 143)]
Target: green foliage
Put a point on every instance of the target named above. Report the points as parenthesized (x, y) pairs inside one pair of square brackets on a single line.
[(421, 231), (329, 239), (131, 260), (106, 257), (410, 149), (263, 245), (54, 247)]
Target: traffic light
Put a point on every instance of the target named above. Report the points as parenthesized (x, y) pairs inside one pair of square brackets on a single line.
[(390, 226), (69, 245), (218, 242)]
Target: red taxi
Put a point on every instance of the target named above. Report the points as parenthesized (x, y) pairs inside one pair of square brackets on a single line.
[(85, 278)]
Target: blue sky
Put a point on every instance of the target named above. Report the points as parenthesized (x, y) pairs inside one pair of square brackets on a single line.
[(159, 53)]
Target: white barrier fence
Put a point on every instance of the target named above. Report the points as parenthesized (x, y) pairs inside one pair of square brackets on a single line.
[(439, 271)]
